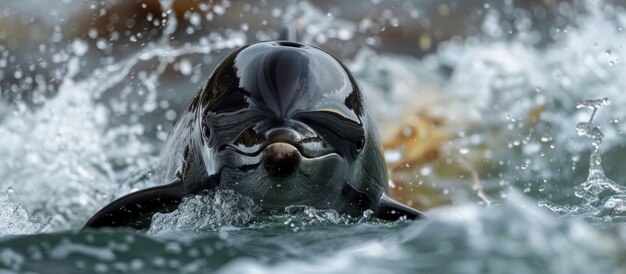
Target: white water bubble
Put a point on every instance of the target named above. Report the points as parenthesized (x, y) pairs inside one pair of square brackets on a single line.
[(426, 170), (92, 33), (219, 9), (79, 47), (17, 74), (277, 12), (195, 19), (344, 34), (102, 44), (170, 115), (185, 67)]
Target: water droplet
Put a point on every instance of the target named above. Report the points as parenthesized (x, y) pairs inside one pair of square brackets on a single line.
[(185, 67), (542, 187), (425, 171), (17, 74), (219, 9), (525, 164), (594, 104), (277, 12), (344, 34), (101, 44), (79, 47), (170, 115), (195, 19)]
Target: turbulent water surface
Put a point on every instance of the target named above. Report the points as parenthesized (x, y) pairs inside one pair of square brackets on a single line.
[(524, 110)]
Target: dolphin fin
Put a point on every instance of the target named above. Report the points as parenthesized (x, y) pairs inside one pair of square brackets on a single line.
[(390, 209), (136, 209)]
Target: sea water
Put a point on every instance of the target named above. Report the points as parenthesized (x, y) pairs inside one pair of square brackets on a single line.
[(524, 106)]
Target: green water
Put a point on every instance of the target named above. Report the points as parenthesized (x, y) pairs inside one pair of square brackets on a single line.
[(508, 238)]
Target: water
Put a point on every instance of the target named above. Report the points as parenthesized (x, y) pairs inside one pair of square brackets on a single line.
[(468, 239), (602, 199), (481, 131)]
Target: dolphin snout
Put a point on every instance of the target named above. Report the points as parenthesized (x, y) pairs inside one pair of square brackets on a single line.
[(281, 160)]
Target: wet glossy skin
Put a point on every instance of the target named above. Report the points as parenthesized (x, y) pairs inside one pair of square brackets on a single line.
[(281, 122), (280, 99)]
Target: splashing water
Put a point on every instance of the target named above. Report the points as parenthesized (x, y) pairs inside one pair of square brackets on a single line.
[(67, 148), (206, 212), (224, 209), (596, 182), (601, 197), (16, 219)]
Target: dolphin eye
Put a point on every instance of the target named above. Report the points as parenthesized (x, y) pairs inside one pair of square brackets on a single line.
[(206, 131), (360, 144), (340, 131)]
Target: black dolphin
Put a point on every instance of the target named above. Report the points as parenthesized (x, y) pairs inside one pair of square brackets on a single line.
[(281, 122)]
